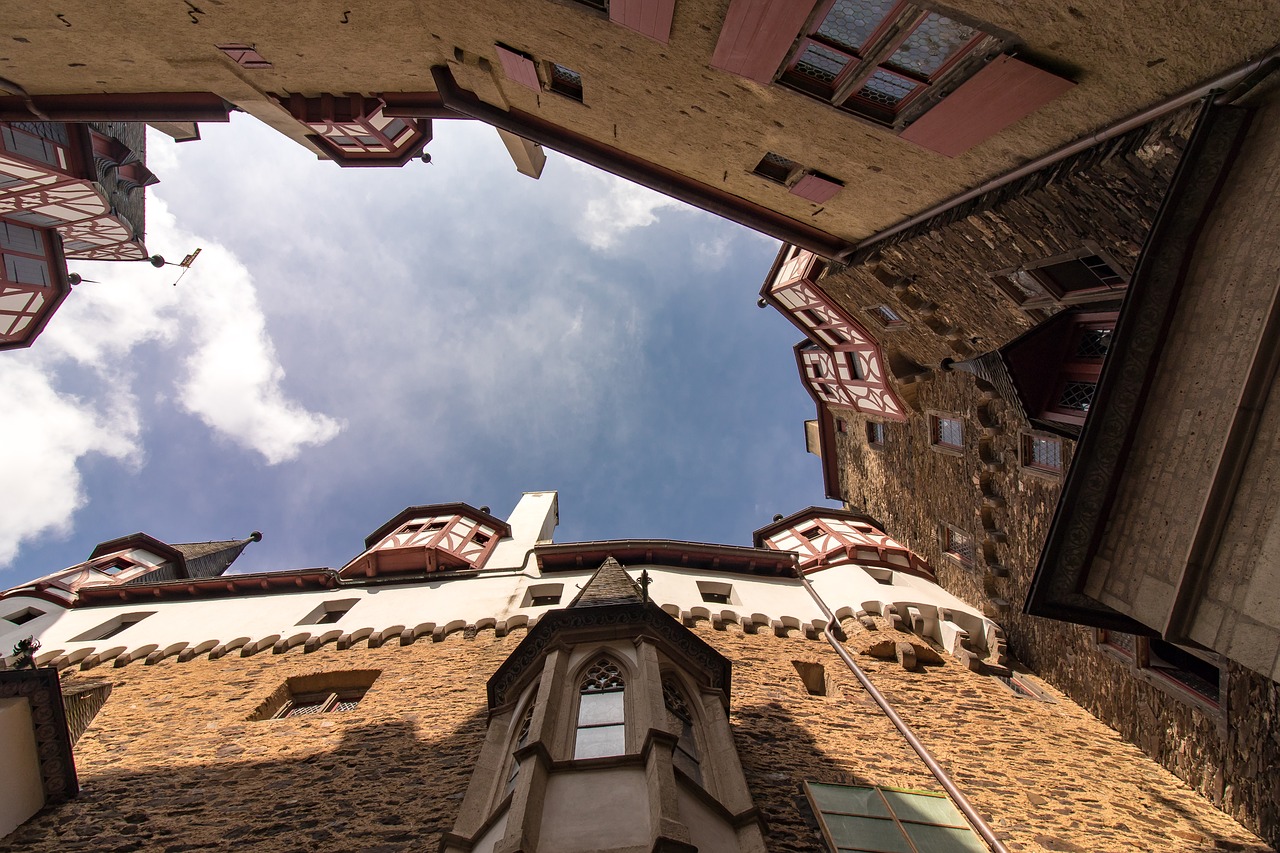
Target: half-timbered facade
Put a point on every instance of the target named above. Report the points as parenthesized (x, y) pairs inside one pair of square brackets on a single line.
[(67, 192)]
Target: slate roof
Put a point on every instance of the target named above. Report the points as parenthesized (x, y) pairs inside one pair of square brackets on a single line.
[(609, 585)]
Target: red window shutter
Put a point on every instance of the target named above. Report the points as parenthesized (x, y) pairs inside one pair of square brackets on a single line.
[(816, 188), (1003, 92), (518, 68), (651, 18), (756, 36)]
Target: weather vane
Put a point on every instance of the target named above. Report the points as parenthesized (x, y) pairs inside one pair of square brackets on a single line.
[(158, 261)]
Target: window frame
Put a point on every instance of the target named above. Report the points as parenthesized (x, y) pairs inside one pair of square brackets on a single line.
[(561, 88), (881, 44), (1051, 295), (937, 439), (833, 840), (1026, 455), (581, 690), (330, 700), (1139, 662), (877, 435), (957, 545)]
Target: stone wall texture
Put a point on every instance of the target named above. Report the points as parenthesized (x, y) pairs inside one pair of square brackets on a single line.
[(173, 763), (939, 281)]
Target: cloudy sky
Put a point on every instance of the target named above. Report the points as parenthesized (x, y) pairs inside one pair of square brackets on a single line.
[(354, 341)]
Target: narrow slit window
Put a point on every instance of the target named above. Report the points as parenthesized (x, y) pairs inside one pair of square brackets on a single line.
[(686, 756)]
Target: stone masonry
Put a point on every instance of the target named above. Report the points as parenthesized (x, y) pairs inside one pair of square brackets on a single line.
[(173, 762), (938, 279)]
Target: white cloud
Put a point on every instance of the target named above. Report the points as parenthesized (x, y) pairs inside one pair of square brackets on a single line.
[(607, 217), (43, 435), (211, 325)]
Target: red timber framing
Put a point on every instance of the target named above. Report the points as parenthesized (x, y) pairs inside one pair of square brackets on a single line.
[(48, 180), (629, 167), (840, 363), (33, 281), (354, 130), (435, 538), (823, 538)]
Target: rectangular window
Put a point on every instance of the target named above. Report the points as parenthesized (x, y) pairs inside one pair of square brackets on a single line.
[(1083, 275), (1021, 685), (543, 595), (875, 434), (307, 704), (886, 316), (715, 593), (1042, 453), (874, 57), (329, 612), (109, 629), (957, 545), (565, 81), (1185, 668), (946, 432), (858, 818), (24, 616), (775, 167), (601, 726)]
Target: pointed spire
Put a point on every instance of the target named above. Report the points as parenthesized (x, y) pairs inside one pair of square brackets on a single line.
[(211, 559), (609, 585)]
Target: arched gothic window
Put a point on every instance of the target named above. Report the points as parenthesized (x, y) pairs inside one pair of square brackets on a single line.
[(522, 738), (601, 718), (686, 752)]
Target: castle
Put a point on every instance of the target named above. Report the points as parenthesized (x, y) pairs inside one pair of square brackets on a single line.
[(467, 683)]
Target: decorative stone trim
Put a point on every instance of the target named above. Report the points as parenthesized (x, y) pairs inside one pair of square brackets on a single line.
[(43, 692)]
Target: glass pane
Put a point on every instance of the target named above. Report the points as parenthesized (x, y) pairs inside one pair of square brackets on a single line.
[(886, 90), (851, 22), (867, 833), (931, 44), (923, 807), (821, 64), (848, 799), (600, 708), (944, 839), (1077, 395), (602, 740)]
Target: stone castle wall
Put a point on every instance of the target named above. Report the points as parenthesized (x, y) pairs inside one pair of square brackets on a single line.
[(173, 762), (1228, 754)]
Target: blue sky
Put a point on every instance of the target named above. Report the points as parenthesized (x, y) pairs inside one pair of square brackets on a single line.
[(354, 341)]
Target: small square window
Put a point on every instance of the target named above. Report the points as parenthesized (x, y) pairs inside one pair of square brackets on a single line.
[(543, 595), (321, 693), (111, 628), (480, 538), (957, 545), (24, 616), (1042, 453), (329, 612), (812, 533), (813, 675), (115, 567), (715, 593), (565, 81), (775, 167), (1021, 685), (875, 434), (946, 432)]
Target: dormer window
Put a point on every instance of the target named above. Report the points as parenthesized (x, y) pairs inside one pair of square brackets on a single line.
[(115, 567)]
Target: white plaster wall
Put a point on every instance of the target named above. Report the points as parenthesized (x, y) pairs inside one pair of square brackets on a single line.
[(493, 595), (21, 793)]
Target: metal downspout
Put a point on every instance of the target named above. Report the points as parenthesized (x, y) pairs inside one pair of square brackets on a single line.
[(1234, 77), (962, 802)]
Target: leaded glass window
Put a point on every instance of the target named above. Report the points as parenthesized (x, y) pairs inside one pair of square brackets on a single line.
[(947, 432), (856, 819), (601, 711), (522, 740)]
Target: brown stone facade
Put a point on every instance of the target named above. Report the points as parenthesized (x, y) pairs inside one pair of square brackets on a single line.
[(939, 280), (173, 762)]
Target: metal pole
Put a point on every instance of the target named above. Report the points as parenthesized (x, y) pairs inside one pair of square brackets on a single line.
[(962, 802)]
